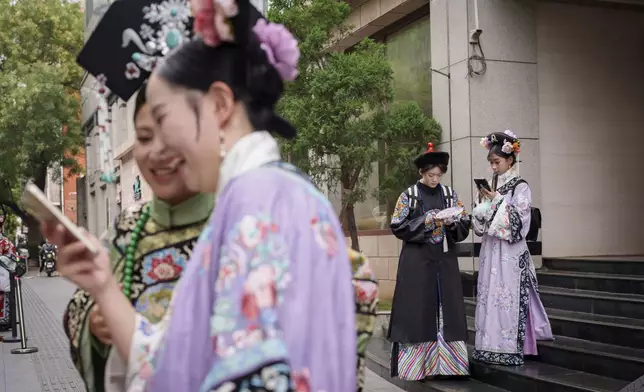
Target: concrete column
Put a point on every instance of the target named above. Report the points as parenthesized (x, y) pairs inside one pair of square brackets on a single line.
[(505, 97)]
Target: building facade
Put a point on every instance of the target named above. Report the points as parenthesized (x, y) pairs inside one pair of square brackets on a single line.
[(561, 74), (550, 72), (54, 187), (70, 190), (104, 201)]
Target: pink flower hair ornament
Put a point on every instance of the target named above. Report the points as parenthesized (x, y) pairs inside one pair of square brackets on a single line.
[(213, 24), (212, 20)]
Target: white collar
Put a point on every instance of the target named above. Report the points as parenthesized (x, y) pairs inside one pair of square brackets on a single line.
[(250, 152), (506, 177)]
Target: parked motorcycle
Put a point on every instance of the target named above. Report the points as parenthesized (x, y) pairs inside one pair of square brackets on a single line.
[(48, 257), (23, 258)]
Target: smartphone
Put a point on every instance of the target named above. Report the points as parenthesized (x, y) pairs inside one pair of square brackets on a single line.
[(481, 183), (36, 203)]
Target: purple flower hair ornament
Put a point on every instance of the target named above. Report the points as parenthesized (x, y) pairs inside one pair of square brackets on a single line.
[(280, 47)]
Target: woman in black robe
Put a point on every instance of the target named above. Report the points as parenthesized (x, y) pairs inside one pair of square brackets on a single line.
[(428, 328)]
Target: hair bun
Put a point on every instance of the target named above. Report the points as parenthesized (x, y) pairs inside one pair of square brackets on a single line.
[(282, 127), (263, 82)]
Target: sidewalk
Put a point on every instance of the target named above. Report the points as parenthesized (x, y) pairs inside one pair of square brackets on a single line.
[(50, 369), (374, 383)]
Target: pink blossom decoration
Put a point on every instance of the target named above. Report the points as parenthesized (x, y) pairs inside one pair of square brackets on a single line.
[(280, 47), (484, 142), (212, 22), (507, 147)]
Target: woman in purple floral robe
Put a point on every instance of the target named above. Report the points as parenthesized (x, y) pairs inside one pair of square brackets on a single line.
[(266, 302), (510, 317)]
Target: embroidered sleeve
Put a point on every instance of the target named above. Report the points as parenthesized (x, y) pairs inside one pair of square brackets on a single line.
[(250, 354), (410, 230), (401, 211), (478, 218), (459, 229), (484, 212), (366, 297), (511, 221), (146, 341)]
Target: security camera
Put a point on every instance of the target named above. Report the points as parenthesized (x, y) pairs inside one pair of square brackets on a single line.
[(475, 35)]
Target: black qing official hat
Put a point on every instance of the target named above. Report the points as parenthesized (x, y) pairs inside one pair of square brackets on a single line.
[(131, 38), (134, 35), (431, 157)]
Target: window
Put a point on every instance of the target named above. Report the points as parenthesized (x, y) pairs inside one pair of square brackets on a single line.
[(409, 52)]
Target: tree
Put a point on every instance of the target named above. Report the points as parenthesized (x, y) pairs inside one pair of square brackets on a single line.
[(341, 106), (405, 136), (39, 94)]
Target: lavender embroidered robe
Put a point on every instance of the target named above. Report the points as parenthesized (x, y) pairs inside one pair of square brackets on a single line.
[(509, 314), (266, 302)]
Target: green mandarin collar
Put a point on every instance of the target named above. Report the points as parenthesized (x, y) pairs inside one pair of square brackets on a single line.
[(193, 210)]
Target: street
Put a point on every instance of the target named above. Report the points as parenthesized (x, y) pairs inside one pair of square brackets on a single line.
[(51, 369)]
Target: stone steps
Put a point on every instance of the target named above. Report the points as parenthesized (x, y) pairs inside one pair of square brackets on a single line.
[(378, 360), (593, 302), (596, 309), (618, 331), (533, 376), (609, 283), (612, 266), (536, 376), (622, 363)]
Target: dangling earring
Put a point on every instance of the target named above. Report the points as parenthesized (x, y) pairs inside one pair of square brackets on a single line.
[(222, 146)]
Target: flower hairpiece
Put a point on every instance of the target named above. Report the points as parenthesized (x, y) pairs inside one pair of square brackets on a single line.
[(510, 133), (280, 47), (511, 147), (213, 25), (508, 146), (212, 20)]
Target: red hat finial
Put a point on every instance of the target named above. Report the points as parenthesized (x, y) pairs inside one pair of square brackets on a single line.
[(430, 147)]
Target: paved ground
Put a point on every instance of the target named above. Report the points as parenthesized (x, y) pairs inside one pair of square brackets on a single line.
[(50, 369), (374, 383)]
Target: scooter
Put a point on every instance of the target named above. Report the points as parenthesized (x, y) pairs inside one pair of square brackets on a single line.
[(48, 256)]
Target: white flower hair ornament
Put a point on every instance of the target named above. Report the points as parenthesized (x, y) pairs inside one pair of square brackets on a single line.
[(510, 133)]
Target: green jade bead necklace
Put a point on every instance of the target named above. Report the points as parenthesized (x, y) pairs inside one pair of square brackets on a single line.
[(131, 249)]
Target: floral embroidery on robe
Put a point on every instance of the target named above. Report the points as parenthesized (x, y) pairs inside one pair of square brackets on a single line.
[(273, 295)]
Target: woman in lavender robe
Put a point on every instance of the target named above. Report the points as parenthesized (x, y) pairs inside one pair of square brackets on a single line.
[(510, 317), (266, 302)]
